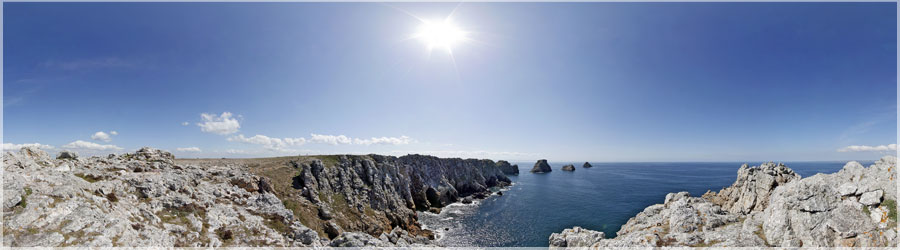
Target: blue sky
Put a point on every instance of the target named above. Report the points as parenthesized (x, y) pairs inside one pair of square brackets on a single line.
[(563, 81)]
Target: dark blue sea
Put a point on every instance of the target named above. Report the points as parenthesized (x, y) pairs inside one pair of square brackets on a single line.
[(600, 198)]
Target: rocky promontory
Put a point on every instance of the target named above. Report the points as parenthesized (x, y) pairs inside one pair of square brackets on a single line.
[(767, 206), (508, 169), (568, 167), (149, 198), (541, 166)]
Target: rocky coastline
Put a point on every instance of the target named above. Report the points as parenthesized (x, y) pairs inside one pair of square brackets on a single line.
[(148, 198), (767, 206)]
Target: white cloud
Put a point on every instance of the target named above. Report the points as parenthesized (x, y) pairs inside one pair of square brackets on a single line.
[(269, 142), (235, 151), (330, 139), (79, 144), (189, 149), (103, 136), (222, 125), (185, 123), (481, 154), (11, 146), (402, 140), (862, 148)]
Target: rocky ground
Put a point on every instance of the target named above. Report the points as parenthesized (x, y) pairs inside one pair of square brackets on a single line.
[(149, 199), (768, 205)]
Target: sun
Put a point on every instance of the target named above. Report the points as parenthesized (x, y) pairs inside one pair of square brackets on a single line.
[(440, 34)]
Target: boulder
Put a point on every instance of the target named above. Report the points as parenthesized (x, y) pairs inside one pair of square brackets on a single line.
[(541, 166), (67, 155), (568, 167), (587, 165)]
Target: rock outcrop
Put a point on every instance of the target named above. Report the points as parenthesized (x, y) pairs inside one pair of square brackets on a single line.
[(150, 199), (568, 167), (374, 193), (750, 192), (855, 207), (508, 169), (541, 166), (587, 165)]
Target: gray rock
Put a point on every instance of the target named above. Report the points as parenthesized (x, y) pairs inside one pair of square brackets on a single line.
[(750, 192), (541, 166), (818, 211), (67, 155), (871, 198), (586, 165), (508, 169), (568, 167), (575, 237)]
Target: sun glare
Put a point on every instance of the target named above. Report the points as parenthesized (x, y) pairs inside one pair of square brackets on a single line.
[(443, 34)]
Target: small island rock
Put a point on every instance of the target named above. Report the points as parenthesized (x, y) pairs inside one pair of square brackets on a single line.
[(587, 165), (541, 166), (568, 167)]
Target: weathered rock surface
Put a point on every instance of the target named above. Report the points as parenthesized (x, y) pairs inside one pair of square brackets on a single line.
[(855, 207), (750, 192), (541, 166), (374, 193), (149, 199), (508, 169), (586, 165), (568, 167)]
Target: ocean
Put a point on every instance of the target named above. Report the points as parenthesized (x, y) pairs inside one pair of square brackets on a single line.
[(601, 198)]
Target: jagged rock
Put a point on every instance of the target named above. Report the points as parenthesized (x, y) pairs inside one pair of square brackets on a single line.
[(353, 239), (750, 192), (395, 187), (100, 203), (568, 167), (508, 169), (819, 211), (587, 165), (67, 155), (871, 198), (541, 166), (575, 237)]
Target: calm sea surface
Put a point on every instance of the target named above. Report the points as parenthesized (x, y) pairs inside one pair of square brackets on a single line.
[(600, 198)]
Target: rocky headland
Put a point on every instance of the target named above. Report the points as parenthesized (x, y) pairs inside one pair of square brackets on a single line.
[(508, 169), (767, 206), (148, 198), (541, 166)]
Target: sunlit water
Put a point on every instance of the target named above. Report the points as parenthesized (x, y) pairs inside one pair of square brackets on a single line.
[(600, 198)]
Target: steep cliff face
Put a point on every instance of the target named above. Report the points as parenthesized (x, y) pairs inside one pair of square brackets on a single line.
[(508, 169), (150, 199), (374, 193), (769, 206)]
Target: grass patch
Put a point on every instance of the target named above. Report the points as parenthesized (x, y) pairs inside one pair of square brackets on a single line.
[(89, 178), (866, 210), (179, 215), (892, 208), (329, 160)]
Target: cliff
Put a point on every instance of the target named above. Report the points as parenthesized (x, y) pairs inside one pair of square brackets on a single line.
[(769, 205), (148, 198)]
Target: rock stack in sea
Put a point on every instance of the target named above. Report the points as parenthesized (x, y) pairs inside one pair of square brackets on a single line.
[(768, 206), (568, 167), (587, 165), (541, 166), (148, 198), (507, 169)]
